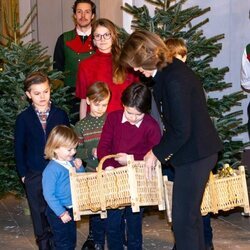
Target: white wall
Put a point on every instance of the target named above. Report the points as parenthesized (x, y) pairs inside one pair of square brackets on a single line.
[(229, 17), (24, 9)]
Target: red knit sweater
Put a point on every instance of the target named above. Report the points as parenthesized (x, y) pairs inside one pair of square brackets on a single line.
[(118, 137), (99, 68)]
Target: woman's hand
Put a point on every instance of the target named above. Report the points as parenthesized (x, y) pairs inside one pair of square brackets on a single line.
[(150, 162), (122, 158)]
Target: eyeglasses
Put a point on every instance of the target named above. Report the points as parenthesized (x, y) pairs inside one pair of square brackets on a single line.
[(98, 37)]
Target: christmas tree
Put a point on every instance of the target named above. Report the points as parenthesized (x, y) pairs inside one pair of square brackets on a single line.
[(17, 59), (171, 19)]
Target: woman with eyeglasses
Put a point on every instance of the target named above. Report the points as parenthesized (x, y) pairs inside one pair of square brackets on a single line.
[(103, 66)]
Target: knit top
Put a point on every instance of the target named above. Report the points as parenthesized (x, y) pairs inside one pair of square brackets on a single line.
[(89, 131), (98, 67), (118, 137)]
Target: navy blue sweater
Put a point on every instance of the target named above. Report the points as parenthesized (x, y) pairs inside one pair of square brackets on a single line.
[(30, 138)]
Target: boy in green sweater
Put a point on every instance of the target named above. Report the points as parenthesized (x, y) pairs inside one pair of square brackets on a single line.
[(89, 131)]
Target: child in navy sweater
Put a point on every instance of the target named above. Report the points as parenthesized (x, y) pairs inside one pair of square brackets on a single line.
[(32, 128), (60, 149), (130, 131)]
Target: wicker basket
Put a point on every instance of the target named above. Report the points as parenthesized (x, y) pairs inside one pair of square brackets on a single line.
[(125, 186), (223, 193)]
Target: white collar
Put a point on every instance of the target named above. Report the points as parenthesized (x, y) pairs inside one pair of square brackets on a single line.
[(154, 72), (81, 33), (124, 119), (66, 164)]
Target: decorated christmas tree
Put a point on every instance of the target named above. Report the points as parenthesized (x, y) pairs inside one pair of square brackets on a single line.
[(172, 19), (17, 59)]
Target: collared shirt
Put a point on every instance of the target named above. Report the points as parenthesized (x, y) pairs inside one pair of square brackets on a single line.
[(66, 164), (43, 116), (80, 33), (245, 71), (124, 119), (154, 73)]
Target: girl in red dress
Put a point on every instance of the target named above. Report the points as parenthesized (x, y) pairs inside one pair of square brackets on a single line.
[(103, 66)]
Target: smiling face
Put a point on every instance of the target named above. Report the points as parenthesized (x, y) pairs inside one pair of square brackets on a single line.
[(40, 95), (105, 42), (133, 115), (83, 16), (97, 109), (65, 153)]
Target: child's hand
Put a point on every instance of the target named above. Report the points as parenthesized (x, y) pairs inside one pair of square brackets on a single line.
[(94, 152), (65, 217), (77, 163), (109, 168), (122, 158)]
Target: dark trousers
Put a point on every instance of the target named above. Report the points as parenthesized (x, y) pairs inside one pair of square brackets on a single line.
[(189, 185), (208, 231), (115, 234), (98, 227), (37, 204), (64, 234)]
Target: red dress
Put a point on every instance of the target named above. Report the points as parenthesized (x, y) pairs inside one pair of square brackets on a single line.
[(98, 67)]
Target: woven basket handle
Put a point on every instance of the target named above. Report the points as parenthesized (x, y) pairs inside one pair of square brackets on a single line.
[(211, 177), (99, 167)]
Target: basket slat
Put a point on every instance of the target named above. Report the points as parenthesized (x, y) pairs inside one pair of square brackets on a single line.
[(94, 193), (220, 194)]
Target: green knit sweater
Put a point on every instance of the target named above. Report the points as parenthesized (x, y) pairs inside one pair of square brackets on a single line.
[(89, 131)]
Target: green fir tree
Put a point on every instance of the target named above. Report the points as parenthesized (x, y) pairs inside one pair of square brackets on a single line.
[(17, 59), (172, 19)]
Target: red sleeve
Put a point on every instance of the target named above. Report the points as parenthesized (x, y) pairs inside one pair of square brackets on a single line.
[(152, 137), (105, 146)]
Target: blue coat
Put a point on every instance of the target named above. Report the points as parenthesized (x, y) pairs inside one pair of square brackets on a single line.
[(56, 186), (30, 139)]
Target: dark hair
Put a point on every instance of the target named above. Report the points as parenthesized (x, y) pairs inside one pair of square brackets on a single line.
[(138, 96), (36, 77), (98, 91), (92, 4)]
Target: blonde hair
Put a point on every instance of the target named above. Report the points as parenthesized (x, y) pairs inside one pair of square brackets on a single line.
[(98, 91), (145, 49), (176, 46), (60, 136), (119, 72)]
